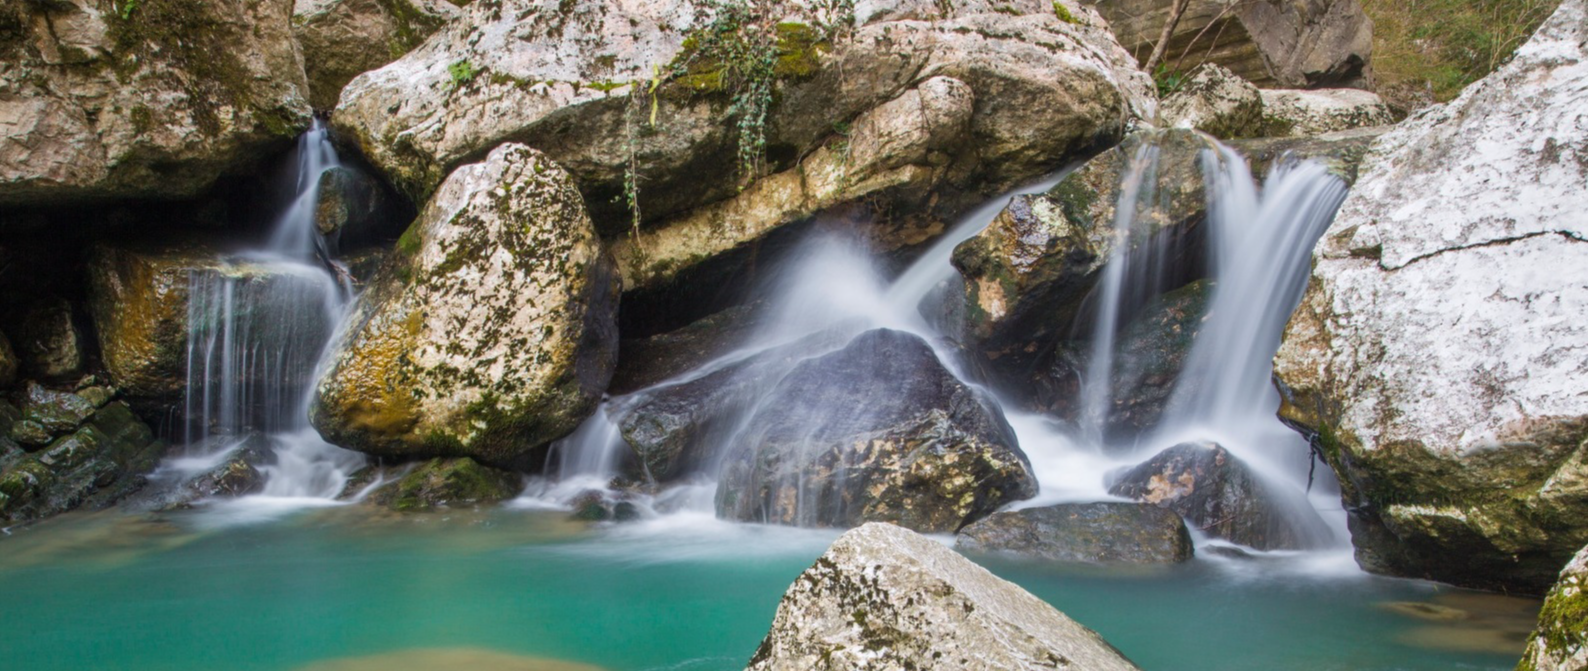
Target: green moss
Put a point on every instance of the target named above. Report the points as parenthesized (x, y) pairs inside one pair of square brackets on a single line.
[(798, 46), (409, 242), (1063, 12), (142, 119), (462, 72), (1075, 200), (411, 25), (189, 35)]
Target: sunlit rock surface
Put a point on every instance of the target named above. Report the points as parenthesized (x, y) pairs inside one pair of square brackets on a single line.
[(104, 100), (1215, 101), (493, 335), (882, 597), (1304, 113), (1439, 355)]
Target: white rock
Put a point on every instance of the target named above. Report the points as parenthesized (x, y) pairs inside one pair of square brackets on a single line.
[(1215, 101), (885, 598), (1320, 111)]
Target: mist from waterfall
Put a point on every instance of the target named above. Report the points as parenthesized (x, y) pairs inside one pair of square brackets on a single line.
[(258, 325)]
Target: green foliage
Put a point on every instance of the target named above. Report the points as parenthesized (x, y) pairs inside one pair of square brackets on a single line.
[(1440, 46), (1168, 79), (127, 9), (462, 72)]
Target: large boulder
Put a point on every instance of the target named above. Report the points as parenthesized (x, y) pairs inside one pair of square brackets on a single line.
[(1559, 644), (494, 335), (1092, 533), (1213, 100), (876, 431), (644, 105), (142, 99), (1267, 42), (90, 452), (1222, 496), (143, 298), (1301, 113), (1439, 354), (882, 597), (342, 39)]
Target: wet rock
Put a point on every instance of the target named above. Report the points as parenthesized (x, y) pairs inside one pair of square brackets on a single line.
[(145, 100), (1302, 113), (1219, 495), (495, 334), (883, 597), (95, 465), (1272, 44), (354, 207), (1559, 644), (1148, 357), (1093, 533), (45, 414), (1215, 101), (643, 362), (341, 39), (878, 430), (47, 342), (235, 473), (448, 483), (1438, 355), (141, 298)]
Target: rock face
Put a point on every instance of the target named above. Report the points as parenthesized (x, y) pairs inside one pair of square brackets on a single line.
[(884, 598), (1219, 494), (448, 483), (341, 39), (876, 431), (1267, 42), (882, 106), (1093, 533), (60, 451), (1215, 101), (494, 336), (141, 299), (151, 99), (1439, 353), (1558, 644), (1305, 113)]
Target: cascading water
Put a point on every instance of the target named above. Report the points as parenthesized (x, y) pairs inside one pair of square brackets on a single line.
[(258, 324)]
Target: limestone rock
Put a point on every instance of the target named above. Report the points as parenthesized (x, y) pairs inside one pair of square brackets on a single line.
[(595, 82), (106, 100), (1300, 113), (494, 336), (876, 431), (884, 598), (94, 463), (1439, 353), (448, 483), (1558, 644), (1215, 101), (1266, 42), (341, 39), (1221, 496), (1093, 533)]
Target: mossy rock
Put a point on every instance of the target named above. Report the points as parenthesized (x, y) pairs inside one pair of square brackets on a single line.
[(449, 483)]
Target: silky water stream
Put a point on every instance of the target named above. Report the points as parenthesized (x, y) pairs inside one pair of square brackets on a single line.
[(523, 587)]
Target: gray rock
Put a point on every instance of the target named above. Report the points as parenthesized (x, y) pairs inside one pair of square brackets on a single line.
[(1220, 496), (876, 431), (1215, 101), (643, 362), (341, 39), (882, 597), (1092, 533), (1558, 644), (496, 333), (1272, 44), (1439, 353), (1148, 359), (140, 100), (447, 483), (96, 465), (1301, 113)]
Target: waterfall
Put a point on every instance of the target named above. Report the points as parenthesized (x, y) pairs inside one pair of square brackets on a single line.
[(258, 324)]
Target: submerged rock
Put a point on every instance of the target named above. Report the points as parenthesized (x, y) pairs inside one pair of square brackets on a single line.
[(876, 431), (1559, 644), (1318, 43), (494, 336), (140, 100), (1215, 101), (341, 39), (882, 597), (1439, 354), (1093, 533), (1306, 113), (447, 483), (89, 457), (1219, 495)]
